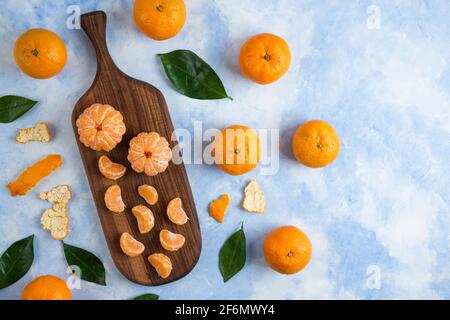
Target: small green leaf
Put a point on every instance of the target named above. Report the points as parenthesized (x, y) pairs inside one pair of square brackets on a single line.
[(148, 296), (232, 255), (91, 267), (13, 107), (192, 76), (16, 261)]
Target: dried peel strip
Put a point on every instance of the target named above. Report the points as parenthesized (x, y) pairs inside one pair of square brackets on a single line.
[(39, 132), (33, 174), (56, 219), (58, 194), (254, 198)]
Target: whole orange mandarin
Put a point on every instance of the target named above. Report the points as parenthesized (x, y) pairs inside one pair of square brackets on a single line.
[(236, 149), (315, 144), (46, 287), (40, 53), (160, 19), (287, 250), (265, 58)]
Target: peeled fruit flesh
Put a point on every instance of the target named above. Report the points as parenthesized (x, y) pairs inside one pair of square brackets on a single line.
[(149, 194), (130, 246), (145, 218), (161, 263), (171, 241), (113, 199), (109, 169), (176, 213)]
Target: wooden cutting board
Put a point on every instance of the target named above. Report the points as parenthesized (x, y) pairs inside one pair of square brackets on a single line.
[(144, 110)]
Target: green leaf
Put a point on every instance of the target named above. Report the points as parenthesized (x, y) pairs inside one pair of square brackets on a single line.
[(148, 296), (16, 261), (192, 76), (13, 107), (232, 255), (91, 267)]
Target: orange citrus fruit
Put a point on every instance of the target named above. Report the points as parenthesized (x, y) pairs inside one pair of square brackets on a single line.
[(145, 218), (100, 127), (130, 246), (149, 153), (109, 169), (171, 241), (40, 53), (236, 149), (265, 58), (218, 207), (46, 287), (287, 250), (149, 194), (113, 199), (315, 144), (160, 19), (161, 263), (176, 213)]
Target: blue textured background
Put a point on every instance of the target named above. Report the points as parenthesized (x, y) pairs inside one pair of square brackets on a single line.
[(383, 203)]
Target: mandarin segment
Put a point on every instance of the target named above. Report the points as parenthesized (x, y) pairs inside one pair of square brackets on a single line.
[(100, 127), (33, 174), (109, 169), (218, 207), (171, 241), (130, 246), (149, 194), (161, 263), (144, 217), (149, 153), (176, 213), (113, 199)]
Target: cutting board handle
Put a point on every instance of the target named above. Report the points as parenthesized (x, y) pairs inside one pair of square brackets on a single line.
[(94, 24)]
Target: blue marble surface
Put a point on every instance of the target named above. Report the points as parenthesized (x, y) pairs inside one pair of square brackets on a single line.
[(380, 212)]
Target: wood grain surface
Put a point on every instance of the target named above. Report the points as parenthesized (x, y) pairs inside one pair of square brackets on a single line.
[(144, 109)]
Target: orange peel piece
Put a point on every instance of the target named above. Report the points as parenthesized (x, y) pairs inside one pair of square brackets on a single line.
[(254, 200), (218, 207), (33, 174), (39, 132)]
